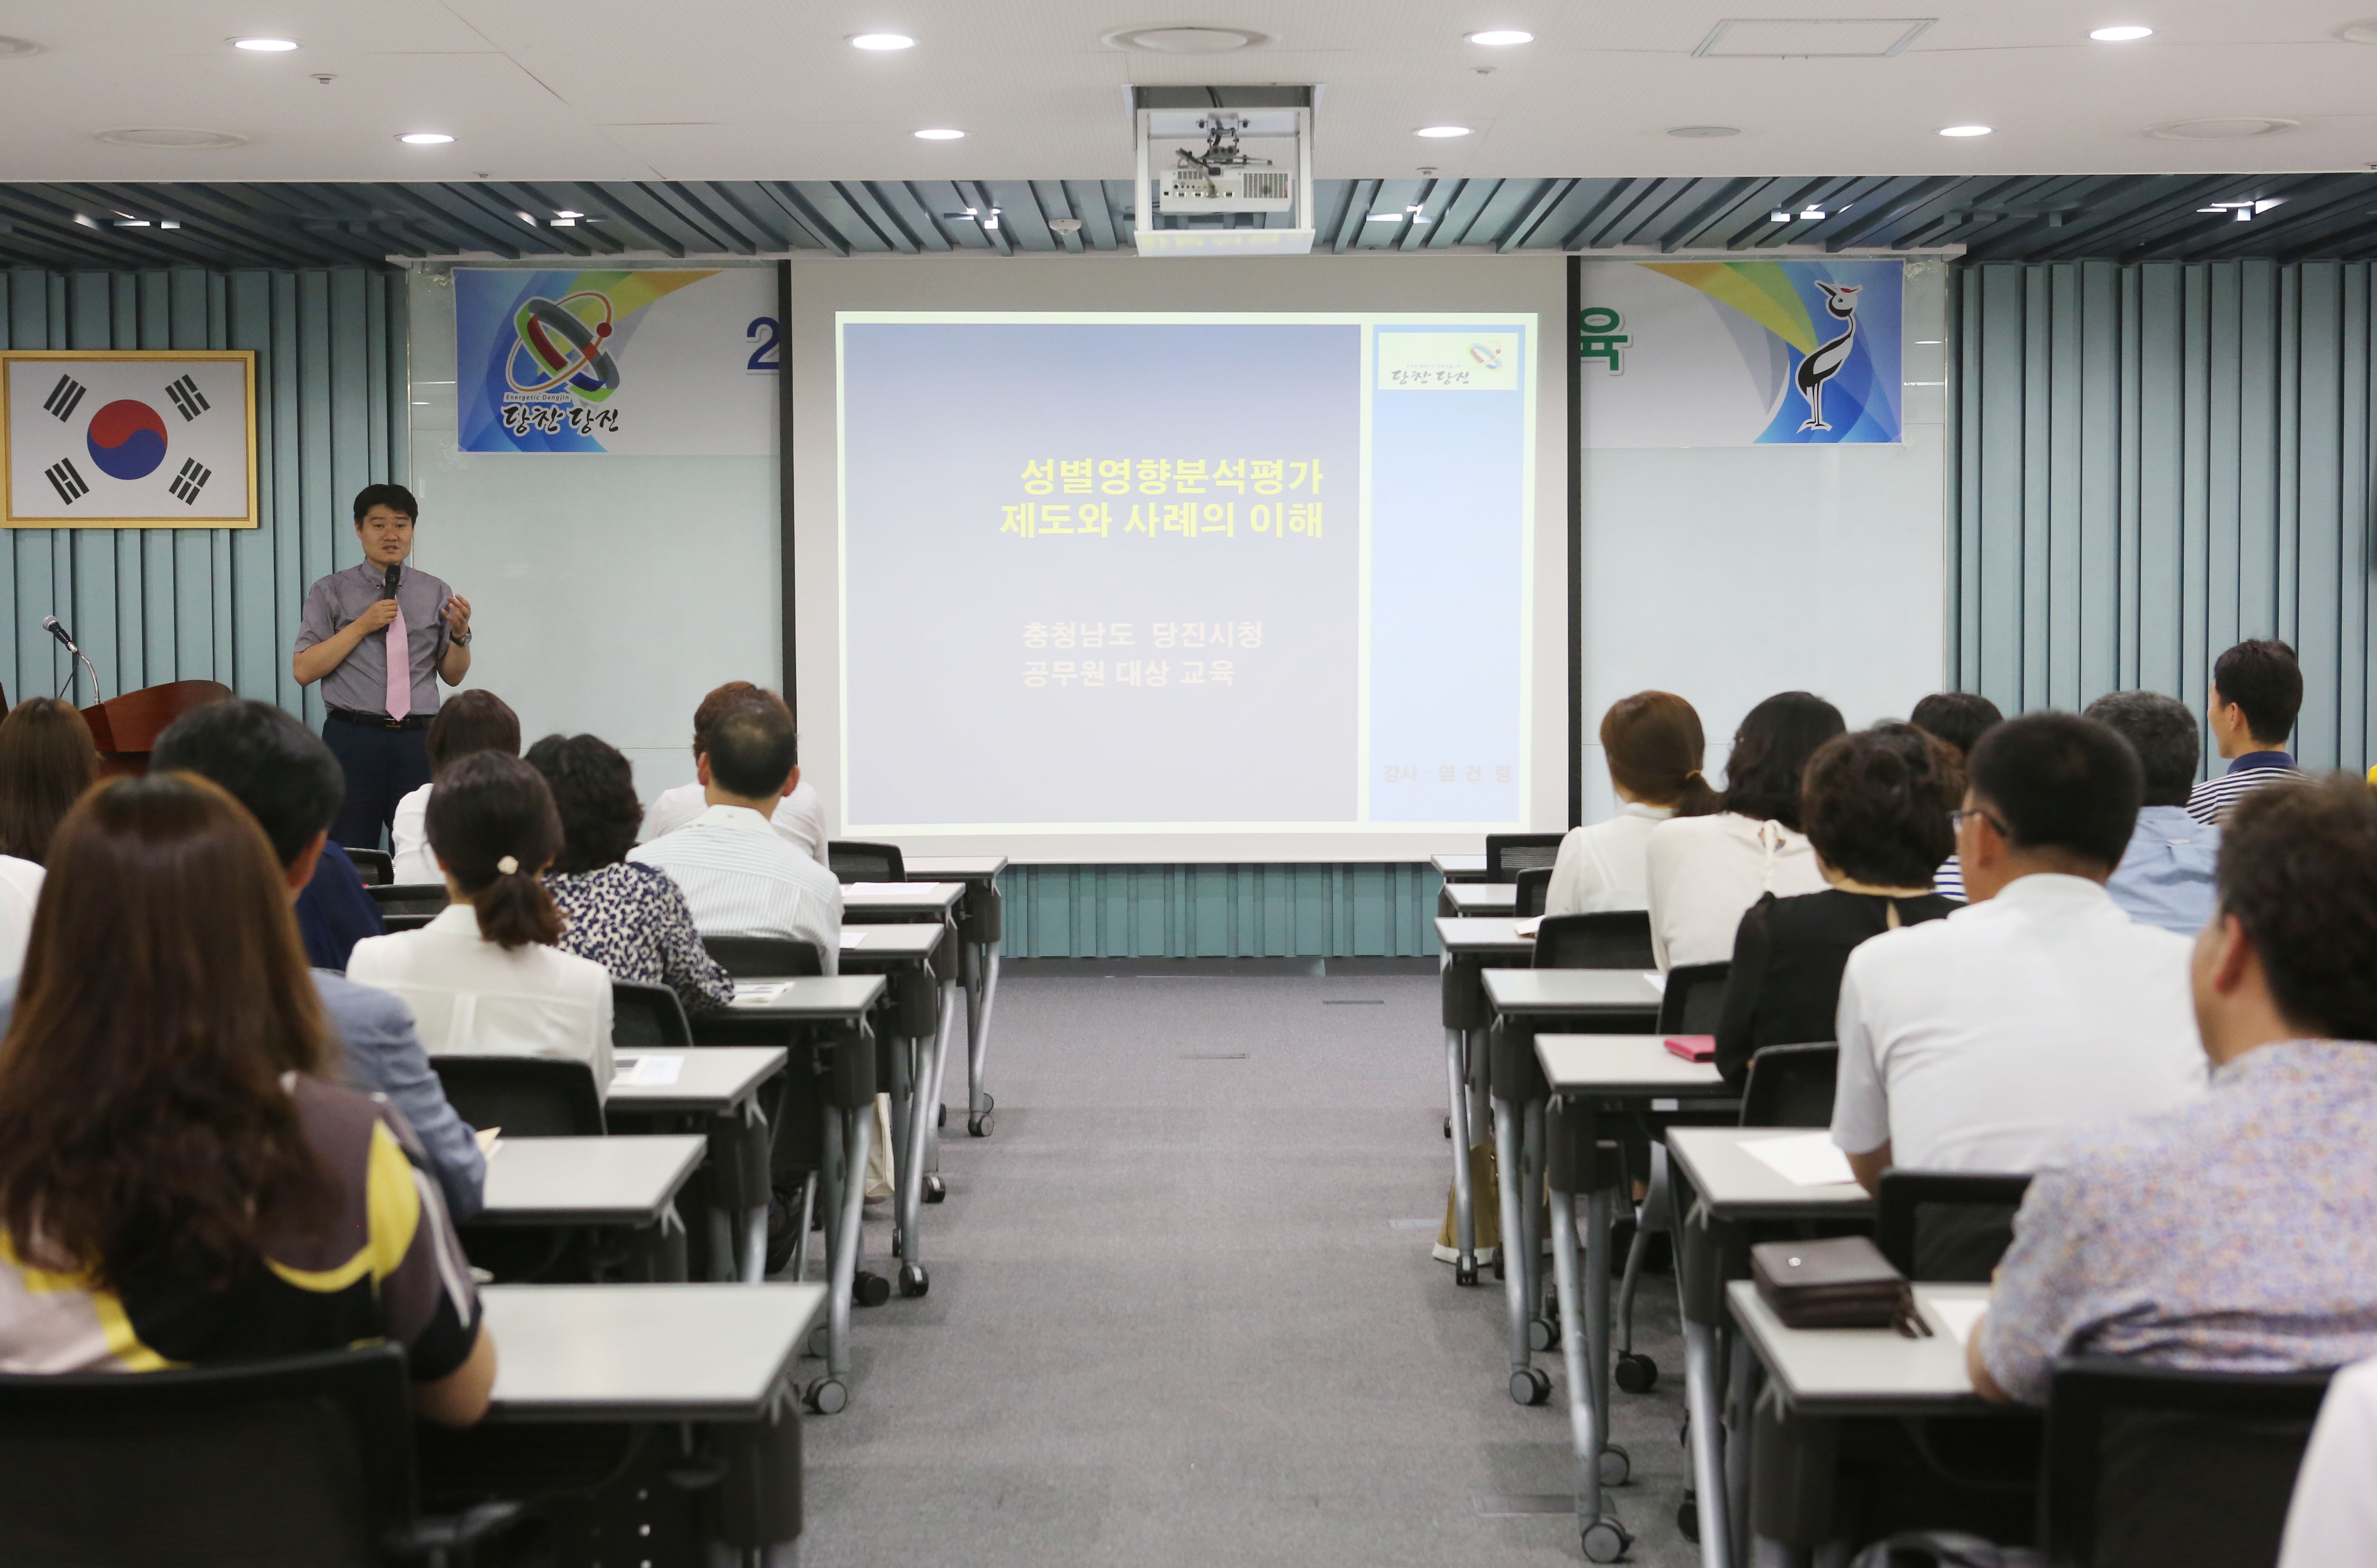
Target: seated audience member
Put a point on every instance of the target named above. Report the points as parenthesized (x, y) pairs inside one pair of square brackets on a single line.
[(180, 1182), (289, 781), (741, 877), (1875, 805), (1982, 1041), (2333, 1518), (1960, 719), (797, 814), (1704, 871), (2238, 1231), (2166, 876), (467, 723), (46, 762), (488, 977), (629, 918), (1652, 743), (2257, 689)]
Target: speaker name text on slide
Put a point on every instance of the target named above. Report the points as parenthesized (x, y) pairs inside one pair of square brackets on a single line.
[(1189, 574)]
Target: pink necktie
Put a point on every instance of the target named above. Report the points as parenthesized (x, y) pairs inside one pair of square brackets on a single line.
[(399, 669)]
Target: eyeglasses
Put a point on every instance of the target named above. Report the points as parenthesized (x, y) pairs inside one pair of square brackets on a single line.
[(1956, 819)]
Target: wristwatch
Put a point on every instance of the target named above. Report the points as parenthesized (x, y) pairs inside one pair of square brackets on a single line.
[(461, 640)]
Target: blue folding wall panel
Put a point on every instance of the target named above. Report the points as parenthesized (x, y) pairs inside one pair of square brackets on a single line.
[(2154, 461), (1220, 911), (150, 605)]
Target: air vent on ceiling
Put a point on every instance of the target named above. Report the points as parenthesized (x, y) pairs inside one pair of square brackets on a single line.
[(1187, 40), (1821, 38)]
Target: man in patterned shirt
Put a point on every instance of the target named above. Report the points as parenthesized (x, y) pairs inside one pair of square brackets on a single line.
[(2238, 1233)]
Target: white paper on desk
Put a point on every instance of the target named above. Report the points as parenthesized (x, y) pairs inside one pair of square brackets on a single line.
[(853, 938), (1805, 1159), (1960, 1315), (880, 888), (1528, 927), (1656, 980), (758, 996), (646, 1072)]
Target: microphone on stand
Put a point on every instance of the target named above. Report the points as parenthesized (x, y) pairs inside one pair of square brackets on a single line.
[(49, 623)]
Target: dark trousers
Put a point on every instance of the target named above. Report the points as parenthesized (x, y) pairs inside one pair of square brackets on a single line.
[(382, 768)]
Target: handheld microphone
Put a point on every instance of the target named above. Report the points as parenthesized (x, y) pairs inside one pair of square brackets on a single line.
[(387, 580), (51, 625)]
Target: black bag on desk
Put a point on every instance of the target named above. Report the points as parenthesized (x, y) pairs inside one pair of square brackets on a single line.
[(1841, 1283)]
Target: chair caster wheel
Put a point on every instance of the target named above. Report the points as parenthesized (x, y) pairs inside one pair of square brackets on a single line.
[(1615, 1465), (1604, 1541), (938, 1190), (1465, 1274), (941, 1116), (827, 1397), (1448, 1126), (978, 1124), (1637, 1373), (1542, 1334), (914, 1280), (1688, 1520), (870, 1290), (820, 1341), (1531, 1385)]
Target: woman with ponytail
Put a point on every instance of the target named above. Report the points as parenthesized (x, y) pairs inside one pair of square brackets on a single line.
[(1876, 806), (486, 978), (1651, 741)]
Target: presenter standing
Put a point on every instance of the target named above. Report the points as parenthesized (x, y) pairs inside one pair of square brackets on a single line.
[(379, 636)]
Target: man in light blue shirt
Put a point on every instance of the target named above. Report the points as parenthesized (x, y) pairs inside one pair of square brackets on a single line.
[(2166, 876)]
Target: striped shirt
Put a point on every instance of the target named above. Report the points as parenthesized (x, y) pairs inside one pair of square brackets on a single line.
[(2209, 802), (1949, 880), (742, 878)]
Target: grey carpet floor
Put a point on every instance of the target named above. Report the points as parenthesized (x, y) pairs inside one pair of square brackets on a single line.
[(1183, 1310)]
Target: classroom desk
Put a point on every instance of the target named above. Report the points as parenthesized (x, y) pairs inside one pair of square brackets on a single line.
[(625, 1183), (1721, 1193), (1524, 1002), (723, 1083), (979, 926), (1469, 946), (924, 996), (1474, 899), (822, 1011), (920, 903), (1459, 868), (665, 1354), (1586, 1075)]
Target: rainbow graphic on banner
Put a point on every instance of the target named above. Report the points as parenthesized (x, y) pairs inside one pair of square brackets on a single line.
[(540, 355)]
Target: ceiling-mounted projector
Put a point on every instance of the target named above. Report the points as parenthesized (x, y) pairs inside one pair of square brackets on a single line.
[(1223, 171)]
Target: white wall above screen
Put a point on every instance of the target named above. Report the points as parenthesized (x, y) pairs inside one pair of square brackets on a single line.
[(942, 752)]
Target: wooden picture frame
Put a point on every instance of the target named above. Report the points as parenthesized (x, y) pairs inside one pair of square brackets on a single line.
[(117, 439)]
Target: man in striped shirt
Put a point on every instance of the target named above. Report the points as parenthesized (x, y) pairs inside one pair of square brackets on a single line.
[(2256, 692), (740, 876)]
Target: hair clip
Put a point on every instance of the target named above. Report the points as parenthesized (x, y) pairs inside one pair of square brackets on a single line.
[(508, 865)]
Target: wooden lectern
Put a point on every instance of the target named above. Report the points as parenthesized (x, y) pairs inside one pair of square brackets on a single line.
[(125, 729)]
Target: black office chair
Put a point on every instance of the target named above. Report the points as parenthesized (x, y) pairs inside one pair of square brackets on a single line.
[(1615, 939), (865, 862), (1532, 884), (2152, 1465), (764, 957), (376, 867), (1947, 1226), (391, 924), (528, 1097), (647, 1017), (409, 898), (1791, 1085), (308, 1459), (1508, 854), (1693, 1000)]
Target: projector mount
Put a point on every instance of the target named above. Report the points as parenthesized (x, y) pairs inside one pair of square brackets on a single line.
[(1212, 196)]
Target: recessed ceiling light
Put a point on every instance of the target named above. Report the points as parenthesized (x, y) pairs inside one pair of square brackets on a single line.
[(171, 135), (2226, 129), (939, 134), (1700, 133), (569, 212), (1966, 130), (265, 45), (1780, 215), (1441, 131), (1501, 37), (1384, 218), (1812, 215), (565, 222), (2121, 34), (11, 48), (424, 138), (883, 42)]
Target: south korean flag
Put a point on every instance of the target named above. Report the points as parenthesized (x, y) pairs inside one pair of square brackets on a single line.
[(102, 439)]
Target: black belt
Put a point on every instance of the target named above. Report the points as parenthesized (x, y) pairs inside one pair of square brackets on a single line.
[(381, 720)]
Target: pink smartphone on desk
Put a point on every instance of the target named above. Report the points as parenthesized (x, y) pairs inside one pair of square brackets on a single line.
[(1694, 1048)]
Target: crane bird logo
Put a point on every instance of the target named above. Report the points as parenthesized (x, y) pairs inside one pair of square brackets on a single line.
[(1827, 359)]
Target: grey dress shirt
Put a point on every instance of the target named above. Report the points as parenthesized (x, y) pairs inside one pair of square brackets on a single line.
[(361, 679)]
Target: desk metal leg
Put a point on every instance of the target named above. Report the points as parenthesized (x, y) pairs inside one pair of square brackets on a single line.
[(808, 1218), (848, 1134), (1710, 1495), (757, 1148), (1584, 1352), (923, 1057), (1464, 1212), (1530, 1385), (979, 1104), (1540, 1330), (934, 1189)]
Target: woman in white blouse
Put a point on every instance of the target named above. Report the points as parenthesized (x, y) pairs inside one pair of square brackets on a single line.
[(471, 722), (1654, 745), (484, 978), (1705, 872)]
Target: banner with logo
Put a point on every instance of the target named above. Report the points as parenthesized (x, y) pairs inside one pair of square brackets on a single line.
[(659, 363), (128, 439), (1740, 353)]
